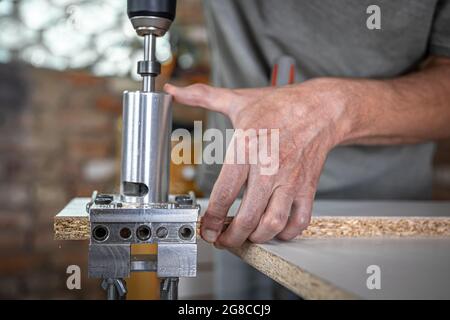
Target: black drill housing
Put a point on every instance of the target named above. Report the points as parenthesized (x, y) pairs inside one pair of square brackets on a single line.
[(156, 8)]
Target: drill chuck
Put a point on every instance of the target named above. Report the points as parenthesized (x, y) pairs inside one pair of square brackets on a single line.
[(151, 16), (156, 8)]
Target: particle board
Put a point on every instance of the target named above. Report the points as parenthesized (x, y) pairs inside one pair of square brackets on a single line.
[(409, 241), (409, 268), (331, 219), (72, 223)]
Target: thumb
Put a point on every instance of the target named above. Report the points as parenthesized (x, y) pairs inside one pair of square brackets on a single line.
[(202, 95)]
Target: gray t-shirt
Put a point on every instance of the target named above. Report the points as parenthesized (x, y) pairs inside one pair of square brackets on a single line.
[(330, 38)]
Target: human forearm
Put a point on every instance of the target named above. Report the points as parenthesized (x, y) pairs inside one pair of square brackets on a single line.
[(408, 109)]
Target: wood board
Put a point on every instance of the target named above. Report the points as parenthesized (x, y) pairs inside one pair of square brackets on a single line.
[(318, 266), (409, 268), (330, 219)]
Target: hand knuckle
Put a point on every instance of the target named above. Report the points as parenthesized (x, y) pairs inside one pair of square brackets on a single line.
[(255, 239), (222, 199), (213, 217), (247, 222), (274, 224), (200, 87), (301, 223)]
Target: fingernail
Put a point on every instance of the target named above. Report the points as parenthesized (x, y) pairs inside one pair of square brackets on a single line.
[(209, 235)]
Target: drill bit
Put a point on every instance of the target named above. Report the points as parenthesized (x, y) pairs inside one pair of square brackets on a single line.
[(148, 80)]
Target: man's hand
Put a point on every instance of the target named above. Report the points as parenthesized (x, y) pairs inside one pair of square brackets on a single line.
[(311, 118)]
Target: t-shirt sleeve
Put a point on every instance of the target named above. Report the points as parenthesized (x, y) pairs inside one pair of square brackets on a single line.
[(440, 32)]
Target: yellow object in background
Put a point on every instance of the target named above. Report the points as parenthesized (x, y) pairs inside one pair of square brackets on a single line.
[(143, 285)]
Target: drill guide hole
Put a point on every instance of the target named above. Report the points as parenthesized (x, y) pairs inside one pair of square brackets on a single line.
[(100, 233), (125, 233), (143, 233), (186, 232)]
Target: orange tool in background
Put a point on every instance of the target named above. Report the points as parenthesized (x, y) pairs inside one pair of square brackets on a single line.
[(283, 72)]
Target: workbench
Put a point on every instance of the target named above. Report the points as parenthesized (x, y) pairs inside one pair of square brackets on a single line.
[(408, 241)]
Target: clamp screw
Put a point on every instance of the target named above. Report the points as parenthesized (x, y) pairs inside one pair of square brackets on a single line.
[(162, 232), (104, 199), (184, 199)]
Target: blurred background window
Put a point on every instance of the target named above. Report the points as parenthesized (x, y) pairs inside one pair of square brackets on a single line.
[(73, 34)]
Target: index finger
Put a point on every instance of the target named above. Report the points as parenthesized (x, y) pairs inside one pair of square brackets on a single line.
[(202, 95), (230, 181)]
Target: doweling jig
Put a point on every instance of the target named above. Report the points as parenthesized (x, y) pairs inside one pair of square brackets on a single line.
[(142, 212)]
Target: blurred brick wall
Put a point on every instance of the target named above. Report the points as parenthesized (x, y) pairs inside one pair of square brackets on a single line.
[(55, 136)]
